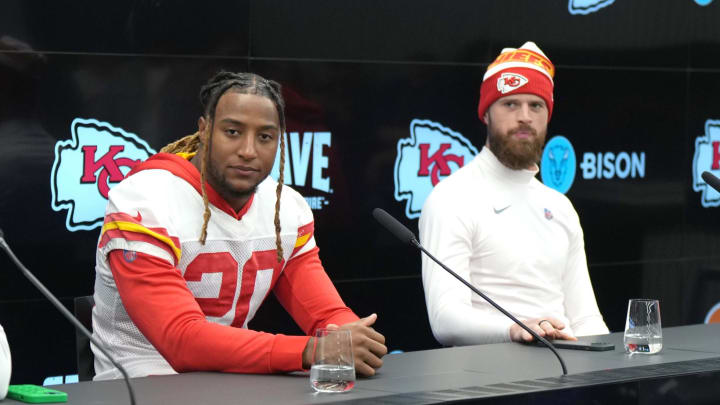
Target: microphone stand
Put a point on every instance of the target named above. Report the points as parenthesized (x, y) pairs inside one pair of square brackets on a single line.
[(69, 316), (549, 345), (407, 236)]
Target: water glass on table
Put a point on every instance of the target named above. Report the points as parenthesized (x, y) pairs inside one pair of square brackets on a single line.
[(333, 367), (643, 331)]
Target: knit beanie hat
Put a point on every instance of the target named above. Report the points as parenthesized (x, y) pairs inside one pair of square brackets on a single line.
[(518, 71)]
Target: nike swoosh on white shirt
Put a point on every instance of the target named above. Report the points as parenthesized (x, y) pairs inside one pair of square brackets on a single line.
[(497, 211)]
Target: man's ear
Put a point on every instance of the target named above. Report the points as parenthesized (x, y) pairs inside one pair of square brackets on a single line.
[(202, 126), (485, 119)]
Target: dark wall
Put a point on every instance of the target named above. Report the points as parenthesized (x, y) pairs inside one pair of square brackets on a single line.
[(639, 76)]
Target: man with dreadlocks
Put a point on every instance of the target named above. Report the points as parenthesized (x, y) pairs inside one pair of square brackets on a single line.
[(175, 290)]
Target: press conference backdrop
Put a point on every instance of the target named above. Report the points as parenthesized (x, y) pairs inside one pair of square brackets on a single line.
[(381, 104)]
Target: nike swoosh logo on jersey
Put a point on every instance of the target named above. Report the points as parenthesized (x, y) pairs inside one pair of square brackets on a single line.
[(497, 211), (138, 217)]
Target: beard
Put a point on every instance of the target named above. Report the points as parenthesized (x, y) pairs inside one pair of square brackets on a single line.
[(516, 154), (218, 181)]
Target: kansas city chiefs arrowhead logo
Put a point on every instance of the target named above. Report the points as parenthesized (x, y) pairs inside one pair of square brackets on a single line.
[(584, 7), (97, 157), (508, 82), (707, 158), (431, 153)]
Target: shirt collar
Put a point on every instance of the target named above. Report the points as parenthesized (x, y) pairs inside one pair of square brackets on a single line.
[(501, 173)]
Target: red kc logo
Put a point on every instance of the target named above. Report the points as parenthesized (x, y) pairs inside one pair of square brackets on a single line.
[(512, 81), (440, 161), (716, 156), (108, 165)]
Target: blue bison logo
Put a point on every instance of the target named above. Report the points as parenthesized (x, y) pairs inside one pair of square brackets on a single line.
[(557, 167)]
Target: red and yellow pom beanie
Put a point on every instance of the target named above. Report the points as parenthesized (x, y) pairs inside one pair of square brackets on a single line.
[(525, 70)]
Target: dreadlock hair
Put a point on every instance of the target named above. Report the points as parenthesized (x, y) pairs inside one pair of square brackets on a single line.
[(210, 93)]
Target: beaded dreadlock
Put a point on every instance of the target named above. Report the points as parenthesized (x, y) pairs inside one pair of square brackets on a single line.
[(210, 93)]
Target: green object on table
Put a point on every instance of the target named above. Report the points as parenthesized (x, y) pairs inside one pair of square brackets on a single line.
[(36, 394)]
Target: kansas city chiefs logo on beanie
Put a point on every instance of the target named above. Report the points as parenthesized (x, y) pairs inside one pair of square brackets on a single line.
[(508, 82), (525, 70)]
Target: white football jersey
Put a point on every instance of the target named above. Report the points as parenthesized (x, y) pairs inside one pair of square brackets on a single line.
[(160, 213), (5, 364)]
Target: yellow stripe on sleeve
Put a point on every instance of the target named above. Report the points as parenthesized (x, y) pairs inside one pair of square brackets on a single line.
[(302, 240), (131, 227)]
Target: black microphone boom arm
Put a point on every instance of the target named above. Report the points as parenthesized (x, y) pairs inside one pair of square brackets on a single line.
[(406, 235), (69, 316)]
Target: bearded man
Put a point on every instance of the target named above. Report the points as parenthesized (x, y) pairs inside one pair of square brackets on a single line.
[(496, 225)]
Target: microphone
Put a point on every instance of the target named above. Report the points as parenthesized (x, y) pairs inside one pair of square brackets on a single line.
[(395, 227), (407, 236), (711, 180), (60, 307)]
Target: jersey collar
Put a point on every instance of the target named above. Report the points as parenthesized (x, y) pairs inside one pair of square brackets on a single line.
[(180, 166)]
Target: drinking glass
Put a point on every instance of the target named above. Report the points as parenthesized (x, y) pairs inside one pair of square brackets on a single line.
[(333, 367), (643, 333)]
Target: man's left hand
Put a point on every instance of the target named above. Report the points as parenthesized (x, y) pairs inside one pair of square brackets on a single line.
[(548, 327), (368, 344)]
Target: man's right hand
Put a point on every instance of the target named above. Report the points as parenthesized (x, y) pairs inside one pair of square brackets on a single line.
[(548, 327)]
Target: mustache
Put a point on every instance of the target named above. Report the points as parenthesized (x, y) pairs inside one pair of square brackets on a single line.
[(523, 128)]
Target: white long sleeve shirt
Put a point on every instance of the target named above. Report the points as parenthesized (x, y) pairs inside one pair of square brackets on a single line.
[(5, 364), (516, 240)]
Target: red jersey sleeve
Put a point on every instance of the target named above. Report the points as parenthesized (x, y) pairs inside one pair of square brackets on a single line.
[(306, 292), (158, 301)]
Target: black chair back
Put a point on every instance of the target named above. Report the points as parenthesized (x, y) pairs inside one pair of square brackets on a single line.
[(85, 356)]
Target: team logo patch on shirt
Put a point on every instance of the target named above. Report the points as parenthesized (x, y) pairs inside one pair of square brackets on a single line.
[(508, 82), (129, 255), (548, 214)]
